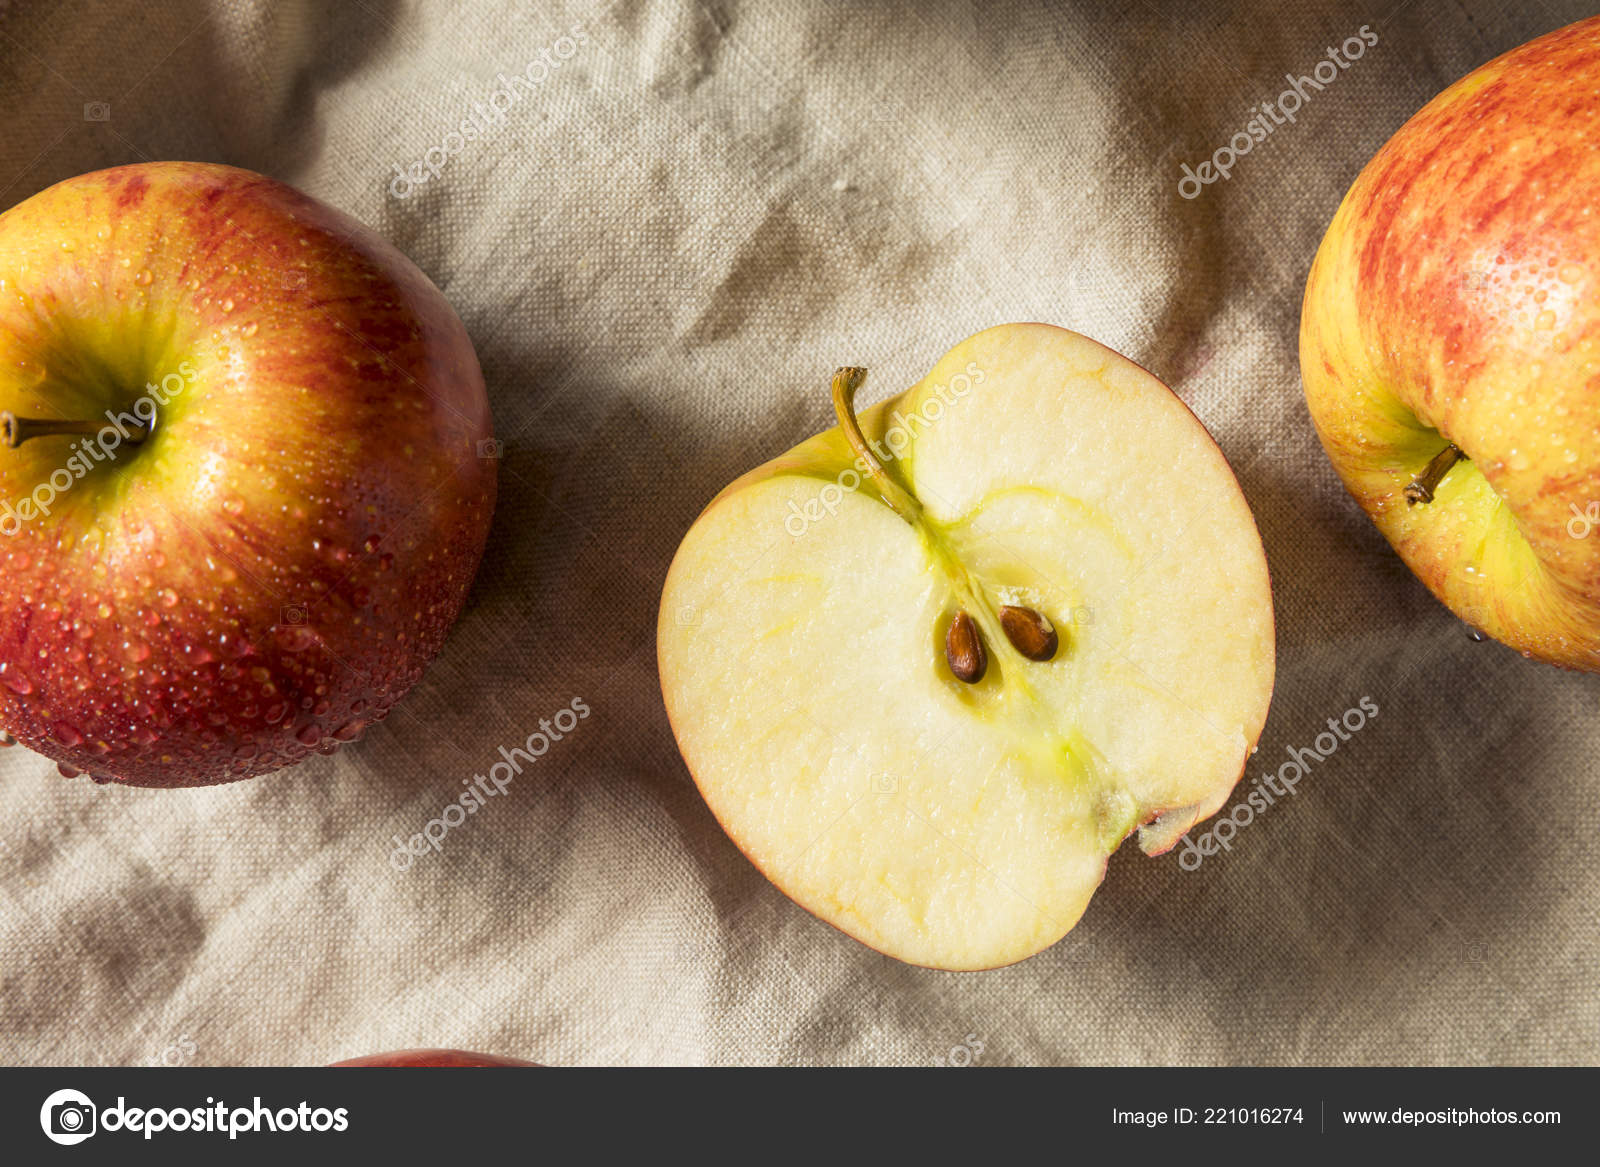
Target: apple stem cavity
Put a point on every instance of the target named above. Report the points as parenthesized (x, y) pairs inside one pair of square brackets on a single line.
[(846, 381), (1421, 488), (15, 430)]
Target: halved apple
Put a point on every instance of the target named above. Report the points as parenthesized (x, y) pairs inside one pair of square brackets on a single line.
[(931, 667)]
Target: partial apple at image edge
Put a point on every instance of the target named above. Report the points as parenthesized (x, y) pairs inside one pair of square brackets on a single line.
[(267, 519), (1448, 337)]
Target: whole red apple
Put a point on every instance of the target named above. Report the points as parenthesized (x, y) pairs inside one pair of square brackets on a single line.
[(1450, 346), (246, 477), (430, 1059)]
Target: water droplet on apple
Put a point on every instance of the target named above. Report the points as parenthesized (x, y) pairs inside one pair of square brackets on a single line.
[(233, 506), (168, 598), (67, 771), (227, 305), (309, 735), (66, 734), (6, 740), (137, 650), (16, 680), (350, 730), (248, 329), (143, 278)]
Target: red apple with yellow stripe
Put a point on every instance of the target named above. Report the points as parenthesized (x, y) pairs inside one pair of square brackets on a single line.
[(1450, 346)]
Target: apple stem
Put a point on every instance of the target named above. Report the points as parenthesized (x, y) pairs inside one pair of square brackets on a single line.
[(1421, 488), (15, 430), (846, 381)]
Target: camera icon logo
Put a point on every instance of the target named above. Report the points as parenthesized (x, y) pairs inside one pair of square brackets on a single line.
[(491, 448), (68, 1117), (97, 111), (293, 614)]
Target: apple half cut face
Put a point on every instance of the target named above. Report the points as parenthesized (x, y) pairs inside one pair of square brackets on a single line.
[(931, 667)]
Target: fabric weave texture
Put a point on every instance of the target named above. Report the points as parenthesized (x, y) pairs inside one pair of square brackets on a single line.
[(690, 213)]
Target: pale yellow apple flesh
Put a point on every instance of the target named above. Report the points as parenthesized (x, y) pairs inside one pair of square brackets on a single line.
[(803, 661)]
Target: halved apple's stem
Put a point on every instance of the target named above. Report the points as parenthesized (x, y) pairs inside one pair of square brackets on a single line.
[(1421, 488), (1033, 636), (15, 430), (846, 381)]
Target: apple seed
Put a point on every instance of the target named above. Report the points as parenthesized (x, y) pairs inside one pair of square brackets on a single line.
[(1029, 632), (963, 648)]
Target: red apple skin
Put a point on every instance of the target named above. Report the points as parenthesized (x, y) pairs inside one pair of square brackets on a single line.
[(268, 573), (1456, 297), (412, 1059)]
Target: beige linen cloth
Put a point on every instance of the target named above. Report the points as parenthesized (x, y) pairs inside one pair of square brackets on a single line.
[(689, 215)]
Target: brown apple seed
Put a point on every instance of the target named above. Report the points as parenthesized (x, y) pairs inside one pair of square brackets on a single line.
[(1029, 632), (963, 648)]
